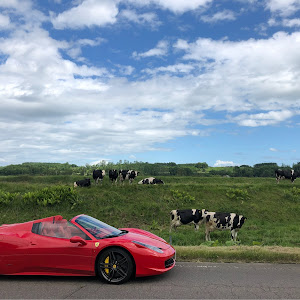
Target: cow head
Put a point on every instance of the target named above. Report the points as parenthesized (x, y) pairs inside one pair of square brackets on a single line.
[(242, 221), (203, 214)]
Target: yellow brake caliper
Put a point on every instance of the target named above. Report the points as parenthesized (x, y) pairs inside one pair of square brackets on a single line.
[(106, 262)]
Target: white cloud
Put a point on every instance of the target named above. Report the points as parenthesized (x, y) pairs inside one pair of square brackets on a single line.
[(263, 119), (89, 13), (15, 4), (125, 70), (291, 22), (225, 15), (220, 163), (244, 75), (284, 22), (176, 6), (283, 7), (161, 49), (74, 48), (4, 22), (20, 9), (100, 162), (172, 69), (273, 150), (149, 18)]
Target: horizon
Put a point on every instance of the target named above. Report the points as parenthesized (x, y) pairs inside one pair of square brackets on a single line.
[(106, 163), (150, 80)]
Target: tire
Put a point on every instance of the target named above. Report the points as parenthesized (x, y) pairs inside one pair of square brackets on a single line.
[(115, 266)]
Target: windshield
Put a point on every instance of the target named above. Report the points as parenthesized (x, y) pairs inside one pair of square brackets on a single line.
[(98, 229)]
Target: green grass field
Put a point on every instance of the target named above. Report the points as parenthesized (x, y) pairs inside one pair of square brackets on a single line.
[(272, 209)]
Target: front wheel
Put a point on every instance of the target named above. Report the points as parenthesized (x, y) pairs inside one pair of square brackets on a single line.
[(115, 266)]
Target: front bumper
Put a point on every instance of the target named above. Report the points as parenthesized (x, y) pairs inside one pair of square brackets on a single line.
[(148, 264)]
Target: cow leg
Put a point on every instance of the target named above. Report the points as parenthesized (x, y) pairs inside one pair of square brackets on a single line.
[(173, 225), (207, 235), (196, 227), (233, 234)]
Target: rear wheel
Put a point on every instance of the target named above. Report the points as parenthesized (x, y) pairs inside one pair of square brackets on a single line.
[(115, 266)]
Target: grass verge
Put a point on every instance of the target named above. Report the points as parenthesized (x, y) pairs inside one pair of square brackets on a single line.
[(258, 254)]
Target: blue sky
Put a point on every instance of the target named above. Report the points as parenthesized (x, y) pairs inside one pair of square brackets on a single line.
[(150, 80)]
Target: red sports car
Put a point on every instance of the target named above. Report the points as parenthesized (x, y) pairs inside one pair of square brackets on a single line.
[(83, 246)]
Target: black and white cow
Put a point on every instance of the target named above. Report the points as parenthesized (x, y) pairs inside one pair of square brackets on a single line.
[(113, 175), (127, 174), (186, 216), (223, 221), (132, 174), (98, 175), (151, 180), (83, 182), (286, 174), (123, 174)]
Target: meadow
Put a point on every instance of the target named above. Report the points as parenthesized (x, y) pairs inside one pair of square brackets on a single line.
[(272, 210)]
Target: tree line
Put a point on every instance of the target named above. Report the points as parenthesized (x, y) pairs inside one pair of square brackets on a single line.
[(146, 169)]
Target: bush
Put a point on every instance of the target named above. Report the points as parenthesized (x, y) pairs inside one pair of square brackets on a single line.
[(211, 243), (182, 197), (51, 196), (6, 197), (237, 194), (293, 194)]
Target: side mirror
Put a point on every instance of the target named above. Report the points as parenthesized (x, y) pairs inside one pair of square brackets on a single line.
[(78, 239)]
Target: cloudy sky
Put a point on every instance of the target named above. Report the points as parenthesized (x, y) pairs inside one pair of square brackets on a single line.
[(150, 80)]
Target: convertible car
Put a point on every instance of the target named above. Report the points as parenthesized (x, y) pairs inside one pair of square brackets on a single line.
[(83, 246)]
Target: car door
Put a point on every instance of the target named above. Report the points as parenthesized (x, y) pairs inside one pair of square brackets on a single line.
[(57, 255)]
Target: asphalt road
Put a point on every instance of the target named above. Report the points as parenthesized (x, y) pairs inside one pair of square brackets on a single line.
[(185, 281)]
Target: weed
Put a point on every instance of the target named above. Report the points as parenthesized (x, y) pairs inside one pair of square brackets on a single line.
[(51, 196), (237, 194), (182, 197), (211, 243), (6, 197), (293, 194)]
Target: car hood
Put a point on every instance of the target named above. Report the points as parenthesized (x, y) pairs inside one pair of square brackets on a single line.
[(145, 237)]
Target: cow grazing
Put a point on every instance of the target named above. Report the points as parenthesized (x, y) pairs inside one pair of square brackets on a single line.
[(127, 174), (82, 183), (286, 174), (113, 175), (151, 180), (123, 174), (185, 216), (98, 175), (132, 174), (223, 221)]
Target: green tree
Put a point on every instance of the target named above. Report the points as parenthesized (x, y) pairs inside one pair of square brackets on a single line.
[(201, 165)]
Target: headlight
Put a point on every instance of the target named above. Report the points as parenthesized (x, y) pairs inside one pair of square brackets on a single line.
[(154, 248)]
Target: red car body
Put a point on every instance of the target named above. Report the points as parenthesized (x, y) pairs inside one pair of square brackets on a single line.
[(28, 249)]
